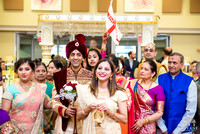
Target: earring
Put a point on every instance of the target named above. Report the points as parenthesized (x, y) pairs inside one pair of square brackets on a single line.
[(122, 72), (96, 77), (110, 78)]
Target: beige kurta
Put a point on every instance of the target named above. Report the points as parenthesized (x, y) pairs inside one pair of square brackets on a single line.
[(109, 126)]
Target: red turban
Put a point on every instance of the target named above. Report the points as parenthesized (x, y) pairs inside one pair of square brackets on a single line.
[(77, 44)]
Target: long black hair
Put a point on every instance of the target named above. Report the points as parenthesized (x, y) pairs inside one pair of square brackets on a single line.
[(98, 53), (123, 65)]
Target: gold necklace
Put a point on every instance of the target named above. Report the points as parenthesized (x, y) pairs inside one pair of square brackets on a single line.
[(26, 88), (148, 87), (145, 90), (104, 93)]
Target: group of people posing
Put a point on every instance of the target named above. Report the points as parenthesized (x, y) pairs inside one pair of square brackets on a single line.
[(105, 100)]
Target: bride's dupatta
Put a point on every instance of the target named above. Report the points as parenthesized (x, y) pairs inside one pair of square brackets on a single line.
[(27, 109), (142, 110)]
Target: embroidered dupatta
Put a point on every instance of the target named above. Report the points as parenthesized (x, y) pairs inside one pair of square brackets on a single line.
[(27, 110), (142, 110)]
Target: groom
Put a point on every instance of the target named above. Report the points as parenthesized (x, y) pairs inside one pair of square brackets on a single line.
[(76, 52)]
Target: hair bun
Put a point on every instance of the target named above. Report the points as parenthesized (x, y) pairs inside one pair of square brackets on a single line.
[(80, 38)]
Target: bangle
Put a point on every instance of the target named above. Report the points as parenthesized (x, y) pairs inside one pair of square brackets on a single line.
[(113, 115), (83, 112), (147, 120), (104, 42), (103, 49)]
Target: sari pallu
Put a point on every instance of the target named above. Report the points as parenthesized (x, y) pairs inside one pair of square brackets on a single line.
[(126, 83), (27, 109), (142, 110)]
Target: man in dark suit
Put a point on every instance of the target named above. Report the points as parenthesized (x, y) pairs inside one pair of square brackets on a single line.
[(131, 64)]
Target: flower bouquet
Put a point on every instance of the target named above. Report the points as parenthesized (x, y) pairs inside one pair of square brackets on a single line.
[(68, 93)]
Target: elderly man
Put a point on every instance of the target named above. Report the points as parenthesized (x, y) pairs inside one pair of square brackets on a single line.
[(76, 52), (180, 98), (150, 53)]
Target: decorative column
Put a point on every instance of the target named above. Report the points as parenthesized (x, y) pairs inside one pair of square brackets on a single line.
[(46, 41)]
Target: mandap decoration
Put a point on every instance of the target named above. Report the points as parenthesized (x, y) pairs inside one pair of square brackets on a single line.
[(51, 5)]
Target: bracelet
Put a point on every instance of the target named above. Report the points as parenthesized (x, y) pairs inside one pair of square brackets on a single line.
[(83, 112), (113, 115), (105, 42), (148, 121), (145, 120), (103, 49)]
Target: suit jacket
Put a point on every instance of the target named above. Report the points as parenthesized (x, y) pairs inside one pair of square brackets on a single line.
[(128, 68)]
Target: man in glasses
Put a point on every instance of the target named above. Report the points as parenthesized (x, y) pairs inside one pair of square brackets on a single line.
[(150, 53)]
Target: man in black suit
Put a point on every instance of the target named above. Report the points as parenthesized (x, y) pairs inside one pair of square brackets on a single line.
[(131, 64)]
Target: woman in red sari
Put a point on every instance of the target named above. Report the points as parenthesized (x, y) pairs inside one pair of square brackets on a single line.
[(149, 100)]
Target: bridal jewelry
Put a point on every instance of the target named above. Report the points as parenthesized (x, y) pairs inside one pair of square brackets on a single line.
[(104, 93), (145, 89), (26, 88)]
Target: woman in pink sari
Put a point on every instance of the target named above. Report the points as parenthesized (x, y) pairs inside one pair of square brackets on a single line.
[(24, 101), (149, 100)]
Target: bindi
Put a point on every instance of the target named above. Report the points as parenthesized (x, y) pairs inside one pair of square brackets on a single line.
[(75, 50)]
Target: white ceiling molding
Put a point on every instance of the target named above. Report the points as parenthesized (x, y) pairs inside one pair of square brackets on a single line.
[(178, 30), (18, 28), (160, 30)]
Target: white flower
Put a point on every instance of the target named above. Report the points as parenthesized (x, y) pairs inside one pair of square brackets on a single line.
[(68, 88), (74, 82)]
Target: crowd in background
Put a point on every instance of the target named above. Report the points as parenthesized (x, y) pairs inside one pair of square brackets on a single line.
[(144, 97)]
